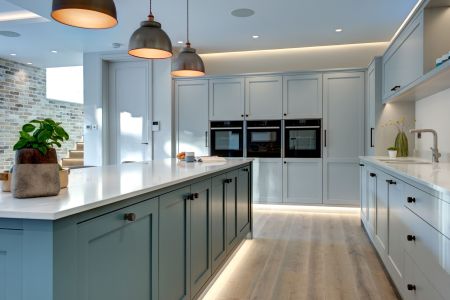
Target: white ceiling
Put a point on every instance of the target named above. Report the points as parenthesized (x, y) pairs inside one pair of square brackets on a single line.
[(280, 23)]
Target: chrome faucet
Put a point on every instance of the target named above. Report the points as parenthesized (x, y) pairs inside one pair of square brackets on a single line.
[(434, 149)]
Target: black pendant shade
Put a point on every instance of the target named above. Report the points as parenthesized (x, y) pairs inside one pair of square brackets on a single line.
[(188, 63), (150, 41), (92, 14)]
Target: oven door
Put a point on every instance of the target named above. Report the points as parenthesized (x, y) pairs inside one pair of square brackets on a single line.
[(227, 141), (264, 141), (302, 142)]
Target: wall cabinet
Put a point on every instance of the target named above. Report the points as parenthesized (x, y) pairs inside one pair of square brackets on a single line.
[(124, 243), (343, 136), (302, 96), (302, 181), (403, 62), (263, 97), (226, 99), (191, 100)]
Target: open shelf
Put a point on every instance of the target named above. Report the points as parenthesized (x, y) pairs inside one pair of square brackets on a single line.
[(433, 82)]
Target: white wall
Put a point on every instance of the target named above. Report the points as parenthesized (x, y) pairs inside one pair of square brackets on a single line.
[(385, 134), (162, 109), (434, 112), (295, 59)]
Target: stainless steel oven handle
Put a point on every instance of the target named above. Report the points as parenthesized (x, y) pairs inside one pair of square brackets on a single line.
[(302, 127), (262, 128), (225, 128)]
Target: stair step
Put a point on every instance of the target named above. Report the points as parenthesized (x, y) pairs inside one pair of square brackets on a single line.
[(80, 146), (76, 154), (72, 162)]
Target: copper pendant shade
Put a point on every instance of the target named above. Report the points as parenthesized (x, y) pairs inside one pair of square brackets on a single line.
[(188, 63), (91, 14), (150, 41)]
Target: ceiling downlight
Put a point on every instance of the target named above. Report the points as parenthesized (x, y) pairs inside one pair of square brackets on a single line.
[(243, 12)]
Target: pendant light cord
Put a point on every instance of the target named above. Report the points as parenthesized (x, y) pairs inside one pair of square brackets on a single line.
[(150, 16), (187, 24)]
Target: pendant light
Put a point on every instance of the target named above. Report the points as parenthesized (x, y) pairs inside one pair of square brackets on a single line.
[(92, 14), (150, 41), (188, 63)]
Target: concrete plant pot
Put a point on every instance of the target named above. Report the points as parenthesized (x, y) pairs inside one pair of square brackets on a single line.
[(392, 154), (35, 174)]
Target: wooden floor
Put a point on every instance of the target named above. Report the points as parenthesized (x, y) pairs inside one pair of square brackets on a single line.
[(304, 253)]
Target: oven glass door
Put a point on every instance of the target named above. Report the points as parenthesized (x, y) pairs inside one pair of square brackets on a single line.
[(264, 142), (302, 142), (227, 142)]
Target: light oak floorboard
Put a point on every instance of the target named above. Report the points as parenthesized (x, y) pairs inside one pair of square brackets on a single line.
[(304, 253)]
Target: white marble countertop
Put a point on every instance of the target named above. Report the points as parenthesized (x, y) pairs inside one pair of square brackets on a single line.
[(95, 187), (432, 175)]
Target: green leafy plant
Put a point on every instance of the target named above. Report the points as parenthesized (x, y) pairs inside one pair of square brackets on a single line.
[(41, 135), (392, 149)]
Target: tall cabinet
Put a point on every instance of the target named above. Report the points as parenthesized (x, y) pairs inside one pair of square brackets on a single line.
[(191, 100), (343, 136)]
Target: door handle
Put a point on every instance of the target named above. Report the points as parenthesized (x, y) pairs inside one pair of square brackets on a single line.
[(411, 238), (130, 217), (371, 137), (144, 143), (411, 200), (373, 175), (395, 88), (391, 181), (206, 139), (325, 138)]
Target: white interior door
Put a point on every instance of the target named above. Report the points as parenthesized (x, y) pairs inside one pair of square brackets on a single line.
[(129, 111)]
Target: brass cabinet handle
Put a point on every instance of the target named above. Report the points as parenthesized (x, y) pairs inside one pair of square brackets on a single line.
[(131, 217)]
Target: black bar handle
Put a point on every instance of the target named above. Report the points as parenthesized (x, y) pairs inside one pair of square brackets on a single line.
[(411, 200), (411, 287), (390, 181), (373, 175), (130, 217), (395, 88), (411, 237), (325, 138), (371, 137), (361, 165)]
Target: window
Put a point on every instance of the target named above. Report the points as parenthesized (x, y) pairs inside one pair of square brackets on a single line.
[(65, 84)]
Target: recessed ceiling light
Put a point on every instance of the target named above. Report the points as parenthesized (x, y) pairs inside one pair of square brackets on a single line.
[(339, 30), (243, 12), (180, 42), (54, 51), (255, 36), (29, 63), (13, 54)]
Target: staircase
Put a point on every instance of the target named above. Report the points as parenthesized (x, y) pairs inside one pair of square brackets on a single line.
[(76, 157)]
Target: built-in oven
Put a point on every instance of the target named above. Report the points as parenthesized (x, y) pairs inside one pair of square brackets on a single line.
[(302, 138), (227, 138), (264, 138)]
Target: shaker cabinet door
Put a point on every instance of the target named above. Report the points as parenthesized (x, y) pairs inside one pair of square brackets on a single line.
[(124, 245), (263, 97), (226, 99), (302, 96)]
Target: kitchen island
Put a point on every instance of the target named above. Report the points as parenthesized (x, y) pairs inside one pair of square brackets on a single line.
[(156, 230)]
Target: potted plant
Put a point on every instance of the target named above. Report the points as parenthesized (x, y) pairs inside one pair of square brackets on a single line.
[(392, 152), (36, 169), (401, 140)]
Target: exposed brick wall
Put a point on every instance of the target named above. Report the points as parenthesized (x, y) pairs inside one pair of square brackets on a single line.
[(23, 98)]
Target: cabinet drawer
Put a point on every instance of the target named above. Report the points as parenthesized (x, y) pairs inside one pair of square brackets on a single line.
[(430, 250), (433, 210), (417, 286)]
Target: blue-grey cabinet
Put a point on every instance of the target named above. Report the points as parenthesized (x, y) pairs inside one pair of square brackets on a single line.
[(200, 223), (231, 208), (174, 245), (10, 264), (218, 221), (117, 254), (243, 200)]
